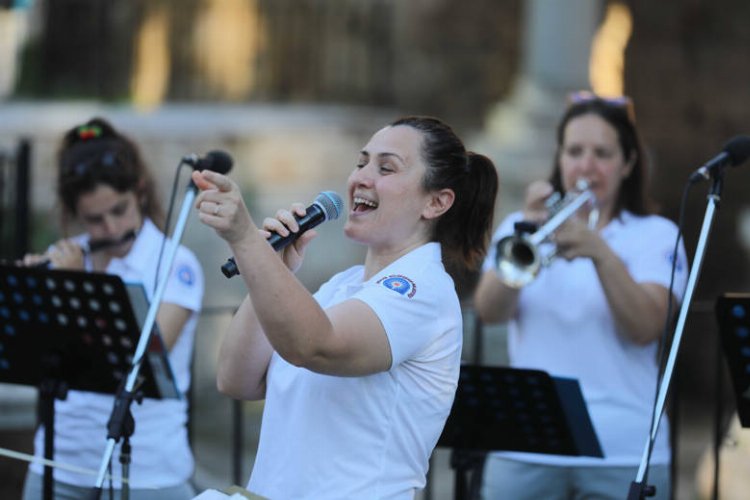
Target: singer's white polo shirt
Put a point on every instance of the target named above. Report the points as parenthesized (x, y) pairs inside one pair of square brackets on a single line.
[(327, 437), (564, 325), (160, 452)]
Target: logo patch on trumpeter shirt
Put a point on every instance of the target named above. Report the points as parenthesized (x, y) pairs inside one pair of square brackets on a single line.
[(670, 258), (400, 284), (185, 275)]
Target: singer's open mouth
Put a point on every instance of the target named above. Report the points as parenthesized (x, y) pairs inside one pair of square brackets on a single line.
[(363, 204)]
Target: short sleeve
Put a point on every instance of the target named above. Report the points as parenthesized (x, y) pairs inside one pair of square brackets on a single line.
[(186, 281), (653, 262), (413, 314)]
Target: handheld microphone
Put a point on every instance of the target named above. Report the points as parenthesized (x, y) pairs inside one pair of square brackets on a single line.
[(735, 152), (216, 160), (327, 206)]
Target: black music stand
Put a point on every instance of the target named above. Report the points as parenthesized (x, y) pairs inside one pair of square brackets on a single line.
[(733, 316), (511, 409), (62, 330)]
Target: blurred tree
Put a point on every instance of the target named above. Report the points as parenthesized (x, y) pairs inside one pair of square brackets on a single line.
[(85, 49), (409, 56)]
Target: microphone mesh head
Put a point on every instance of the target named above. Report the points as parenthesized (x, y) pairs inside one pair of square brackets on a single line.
[(331, 203), (738, 149), (219, 161)]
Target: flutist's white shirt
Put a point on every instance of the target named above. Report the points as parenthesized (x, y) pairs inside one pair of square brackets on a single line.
[(161, 455), (564, 326)]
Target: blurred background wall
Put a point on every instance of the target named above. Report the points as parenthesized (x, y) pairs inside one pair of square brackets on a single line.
[(293, 88)]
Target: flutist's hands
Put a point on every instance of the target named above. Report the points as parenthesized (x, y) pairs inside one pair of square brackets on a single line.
[(65, 254)]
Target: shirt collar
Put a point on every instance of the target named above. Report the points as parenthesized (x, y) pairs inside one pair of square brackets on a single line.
[(622, 219), (140, 252), (429, 252)]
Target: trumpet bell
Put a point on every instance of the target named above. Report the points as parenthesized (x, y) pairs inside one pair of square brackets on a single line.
[(518, 261)]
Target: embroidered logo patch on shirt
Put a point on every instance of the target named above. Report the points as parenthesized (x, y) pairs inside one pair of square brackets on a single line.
[(680, 264), (185, 275), (400, 284)]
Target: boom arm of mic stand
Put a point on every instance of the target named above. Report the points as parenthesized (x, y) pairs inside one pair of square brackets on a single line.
[(148, 325), (637, 488)]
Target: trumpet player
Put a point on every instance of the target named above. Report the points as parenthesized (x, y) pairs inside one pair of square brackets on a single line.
[(595, 312)]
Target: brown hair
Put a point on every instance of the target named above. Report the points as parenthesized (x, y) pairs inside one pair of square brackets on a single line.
[(464, 230), (619, 114)]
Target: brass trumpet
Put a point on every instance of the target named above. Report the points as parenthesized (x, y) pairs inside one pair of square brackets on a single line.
[(519, 258)]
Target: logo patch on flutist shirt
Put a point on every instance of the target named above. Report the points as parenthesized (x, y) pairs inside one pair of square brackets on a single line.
[(400, 284), (185, 275)]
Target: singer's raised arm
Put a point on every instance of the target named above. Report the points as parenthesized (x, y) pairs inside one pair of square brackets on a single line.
[(244, 353), (348, 339)]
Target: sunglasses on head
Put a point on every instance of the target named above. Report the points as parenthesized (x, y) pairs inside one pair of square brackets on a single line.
[(584, 96), (107, 160)]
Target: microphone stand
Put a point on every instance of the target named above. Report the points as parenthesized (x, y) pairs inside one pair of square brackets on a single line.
[(121, 423), (638, 488)]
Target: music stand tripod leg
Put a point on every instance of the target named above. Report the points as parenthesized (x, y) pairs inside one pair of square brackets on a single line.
[(467, 465), (50, 388)]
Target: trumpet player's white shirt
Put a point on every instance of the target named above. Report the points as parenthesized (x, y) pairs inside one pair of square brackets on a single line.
[(327, 437), (563, 325), (161, 456)]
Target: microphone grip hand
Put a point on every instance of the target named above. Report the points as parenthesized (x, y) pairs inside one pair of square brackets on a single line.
[(296, 226), (305, 218)]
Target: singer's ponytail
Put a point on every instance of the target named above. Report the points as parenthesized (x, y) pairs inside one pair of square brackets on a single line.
[(471, 220), (464, 230)]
